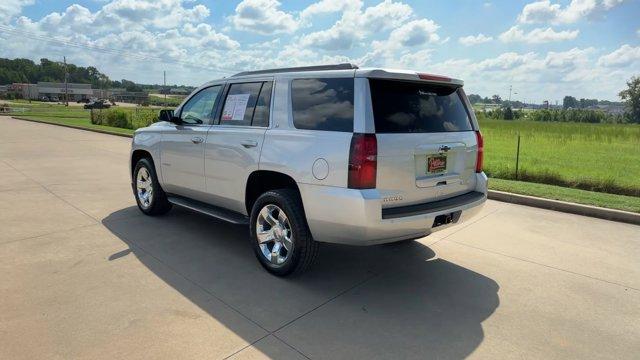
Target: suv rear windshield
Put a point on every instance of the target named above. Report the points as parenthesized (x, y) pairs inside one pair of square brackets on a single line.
[(409, 107)]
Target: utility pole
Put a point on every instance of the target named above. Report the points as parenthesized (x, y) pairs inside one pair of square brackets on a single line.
[(510, 88), (164, 75), (66, 83)]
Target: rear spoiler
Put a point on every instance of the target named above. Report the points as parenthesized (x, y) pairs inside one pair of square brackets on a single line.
[(408, 75)]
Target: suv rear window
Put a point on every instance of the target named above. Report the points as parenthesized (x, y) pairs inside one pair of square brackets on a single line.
[(323, 104), (409, 107)]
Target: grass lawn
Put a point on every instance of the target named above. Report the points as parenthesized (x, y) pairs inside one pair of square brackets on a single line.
[(611, 201), (83, 123), (60, 114), (601, 157)]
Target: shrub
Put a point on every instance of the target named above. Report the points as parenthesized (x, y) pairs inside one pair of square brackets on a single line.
[(124, 118)]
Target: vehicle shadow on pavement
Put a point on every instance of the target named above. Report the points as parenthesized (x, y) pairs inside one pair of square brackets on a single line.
[(386, 301)]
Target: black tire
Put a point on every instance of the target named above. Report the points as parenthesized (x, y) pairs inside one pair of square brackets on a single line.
[(159, 204), (305, 249)]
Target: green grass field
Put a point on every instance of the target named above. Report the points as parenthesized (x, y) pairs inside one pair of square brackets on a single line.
[(611, 201), (59, 114), (599, 157)]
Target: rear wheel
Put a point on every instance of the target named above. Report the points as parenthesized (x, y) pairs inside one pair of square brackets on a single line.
[(149, 195), (280, 236)]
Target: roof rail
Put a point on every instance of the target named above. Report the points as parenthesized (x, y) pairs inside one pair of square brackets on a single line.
[(344, 66)]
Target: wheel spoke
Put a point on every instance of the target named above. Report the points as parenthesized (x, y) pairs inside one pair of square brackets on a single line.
[(287, 243), (282, 218), (268, 217), (275, 252), (264, 236)]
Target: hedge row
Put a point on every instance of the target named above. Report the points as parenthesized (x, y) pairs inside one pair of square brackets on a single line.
[(124, 118)]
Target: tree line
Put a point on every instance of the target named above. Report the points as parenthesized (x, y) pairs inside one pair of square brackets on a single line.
[(573, 110), (27, 71)]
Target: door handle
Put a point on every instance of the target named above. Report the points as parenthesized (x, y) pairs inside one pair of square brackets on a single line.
[(249, 143), (197, 140)]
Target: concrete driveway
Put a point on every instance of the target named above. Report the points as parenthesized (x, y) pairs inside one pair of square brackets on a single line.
[(84, 275)]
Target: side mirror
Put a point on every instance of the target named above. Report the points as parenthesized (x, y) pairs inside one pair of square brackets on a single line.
[(167, 115)]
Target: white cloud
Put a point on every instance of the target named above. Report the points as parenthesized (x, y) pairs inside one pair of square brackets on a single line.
[(505, 61), (337, 37), (474, 40), (621, 57), (330, 6), (386, 15), (139, 39), (406, 42), (263, 17), (568, 59), (11, 8), (414, 33), (545, 11), (537, 36), (157, 13), (608, 4), (355, 24)]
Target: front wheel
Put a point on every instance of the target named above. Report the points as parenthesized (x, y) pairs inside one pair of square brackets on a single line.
[(149, 195), (280, 236)]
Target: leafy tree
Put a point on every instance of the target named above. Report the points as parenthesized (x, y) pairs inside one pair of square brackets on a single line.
[(585, 103), (631, 98), (507, 113), (569, 102), (496, 99), (475, 99), (25, 70)]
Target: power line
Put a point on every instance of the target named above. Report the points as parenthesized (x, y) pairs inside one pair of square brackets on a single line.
[(121, 52)]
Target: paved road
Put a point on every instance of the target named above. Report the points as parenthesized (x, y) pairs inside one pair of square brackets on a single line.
[(84, 275)]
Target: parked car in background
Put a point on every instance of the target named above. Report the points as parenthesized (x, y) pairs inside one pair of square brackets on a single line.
[(97, 104), (332, 154)]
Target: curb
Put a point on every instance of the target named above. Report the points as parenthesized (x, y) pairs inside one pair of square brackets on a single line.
[(73, 127), (563, 206), (557, 205)]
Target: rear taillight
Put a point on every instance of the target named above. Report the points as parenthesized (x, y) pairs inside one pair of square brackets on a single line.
[(480, 156), (363, 161)]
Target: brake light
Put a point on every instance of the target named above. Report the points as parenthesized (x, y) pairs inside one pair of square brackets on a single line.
[(480, 156), (363, 161), (433, 77)]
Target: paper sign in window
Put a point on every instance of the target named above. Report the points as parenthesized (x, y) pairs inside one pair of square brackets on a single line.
[(235, 107)]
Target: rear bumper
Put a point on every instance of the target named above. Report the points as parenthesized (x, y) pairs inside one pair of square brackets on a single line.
[(355, 217)]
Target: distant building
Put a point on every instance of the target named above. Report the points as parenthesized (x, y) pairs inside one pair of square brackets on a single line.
[(75, 92), (131, 97), (23, 90), (179, 91), (51, 90)]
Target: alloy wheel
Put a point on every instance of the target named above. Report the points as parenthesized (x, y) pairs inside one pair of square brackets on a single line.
[(274, 235)]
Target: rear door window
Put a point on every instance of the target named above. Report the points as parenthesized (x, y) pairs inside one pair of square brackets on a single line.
[(411, 107), (247, 104), (323, 104), (240, 103)]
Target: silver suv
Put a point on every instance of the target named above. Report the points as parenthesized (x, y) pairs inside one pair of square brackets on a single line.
[(336, 154)]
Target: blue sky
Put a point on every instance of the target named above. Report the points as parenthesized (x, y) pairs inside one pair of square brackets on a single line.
[(543, 49)]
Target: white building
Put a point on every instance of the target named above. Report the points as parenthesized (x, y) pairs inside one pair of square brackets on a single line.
[(58, 90)]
